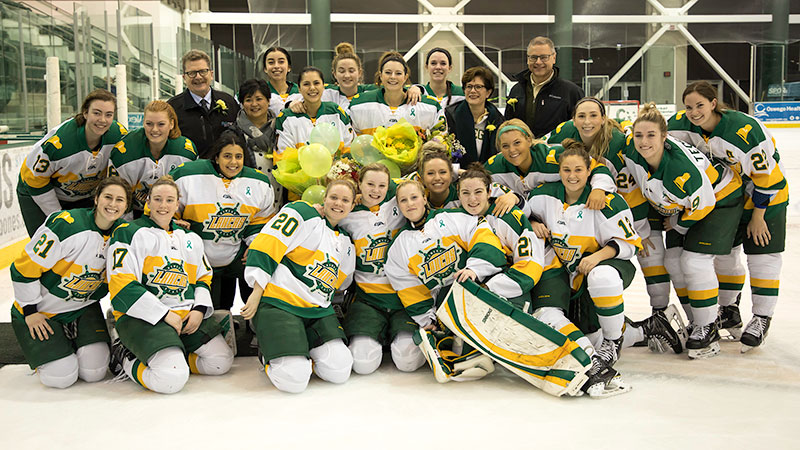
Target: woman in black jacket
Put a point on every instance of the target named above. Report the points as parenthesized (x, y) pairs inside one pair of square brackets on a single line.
[(474, 120)]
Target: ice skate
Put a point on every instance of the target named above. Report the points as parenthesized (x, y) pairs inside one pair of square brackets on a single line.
[(729, 321), (755, 332), (119, 354), (660, 335), (703, 342), (604, 381)]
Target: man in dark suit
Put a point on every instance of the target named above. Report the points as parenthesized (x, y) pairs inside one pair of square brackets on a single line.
[(541, 98), (202, 111)]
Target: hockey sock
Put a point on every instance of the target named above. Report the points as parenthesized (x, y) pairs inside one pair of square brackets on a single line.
[(655, 274), (765, 273), (672, 261), (605, 288), (701, 281), (730, 274)]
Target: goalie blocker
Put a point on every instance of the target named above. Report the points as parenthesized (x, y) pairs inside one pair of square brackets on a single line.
[(531, 349)]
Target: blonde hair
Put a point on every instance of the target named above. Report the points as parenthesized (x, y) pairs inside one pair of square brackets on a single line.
[(162, 106), (650, 113), (526, 131), (345, 181), (410, 182)]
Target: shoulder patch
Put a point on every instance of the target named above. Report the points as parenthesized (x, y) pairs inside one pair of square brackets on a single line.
[(55, 141), (65, 215), (122, 129), (558, 128), (681, 180), (551, 157), (680, 114), (743, 132), (120, 146), (629, 139)]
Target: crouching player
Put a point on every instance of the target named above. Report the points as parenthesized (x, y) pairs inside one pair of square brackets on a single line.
[(295, 265), (159, 281), (58, 280)]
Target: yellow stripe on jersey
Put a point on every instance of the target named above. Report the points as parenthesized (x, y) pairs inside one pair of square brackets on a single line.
[(761, 283), (732, 279), (19, 308), (765, 180), (730, 188), (199, 212), (118, 281), (305, 257), (447, 240), (712, 174), (698, 214), (64, 268), (412, 295), (485, 236), (633, 198), (781, 197), (654, 271), (607, 302), (529, 268), (31, 179), (28, 268), (376, 288), (703, 294), (270, 245), (286, 296), (151, 262)]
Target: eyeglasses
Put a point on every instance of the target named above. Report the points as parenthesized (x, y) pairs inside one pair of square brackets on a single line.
[(474, 87), (194, 73), (542, 58)]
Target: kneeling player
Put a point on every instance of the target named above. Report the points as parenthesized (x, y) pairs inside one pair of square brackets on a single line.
[(159, 282)]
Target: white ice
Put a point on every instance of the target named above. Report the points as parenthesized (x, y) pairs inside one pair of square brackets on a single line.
[(731, 401)]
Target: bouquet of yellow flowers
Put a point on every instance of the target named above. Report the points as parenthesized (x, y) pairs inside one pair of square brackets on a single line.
[(289, 173), (399, 143)]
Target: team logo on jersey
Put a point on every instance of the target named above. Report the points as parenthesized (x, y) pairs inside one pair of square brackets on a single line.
[(743, 132), (565, 252), (375, 253), (80, 287), (226, 223), (439, 263), (323, 275), (171, 279), (83, 186), (681, 180), (665, 210)]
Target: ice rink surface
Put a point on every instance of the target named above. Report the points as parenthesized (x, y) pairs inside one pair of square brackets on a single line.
[(728, 402)]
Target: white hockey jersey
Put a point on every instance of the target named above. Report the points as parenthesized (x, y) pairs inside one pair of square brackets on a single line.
[(223, 212), (422, 262), (300, 261), (577, 231), (294, 129), (369, 110), (63, 267), (152, 271)]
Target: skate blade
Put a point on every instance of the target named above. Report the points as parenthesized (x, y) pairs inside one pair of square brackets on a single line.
[(746, 348), (703, 353), (611, 389), (730, 334), (658, 346), (674, 318)]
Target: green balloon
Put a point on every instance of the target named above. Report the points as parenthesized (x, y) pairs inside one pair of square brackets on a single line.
[(315, 160), (363, 152), (394, 170), (314, 194), (327, 135)]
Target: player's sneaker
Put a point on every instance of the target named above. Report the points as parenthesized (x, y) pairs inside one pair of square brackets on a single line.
[(703, 342), (660, 335), (755, 332), (119, 354), (730, 320)]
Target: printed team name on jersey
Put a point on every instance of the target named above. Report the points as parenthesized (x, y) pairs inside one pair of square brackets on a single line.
[(226, 222), (568, 254), (665, 210), (80, 287), (375, 253), (324, 275), (439, 262), (171, 278), (81, 186)]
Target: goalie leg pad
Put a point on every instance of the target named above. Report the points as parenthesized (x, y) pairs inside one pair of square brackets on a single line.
[(526, 346)]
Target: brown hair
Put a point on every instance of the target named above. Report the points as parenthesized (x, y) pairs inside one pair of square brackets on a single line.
[(575, 148), (599, 147), (433, 150), (162, 106), (388, 57), (345, 181), (115, 181), (650, 113), (374, 167), (165, 180), (478, 71), (707, 90), (542, 40), (97, 94), (345, 50), (195, 55), (476, 170)]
